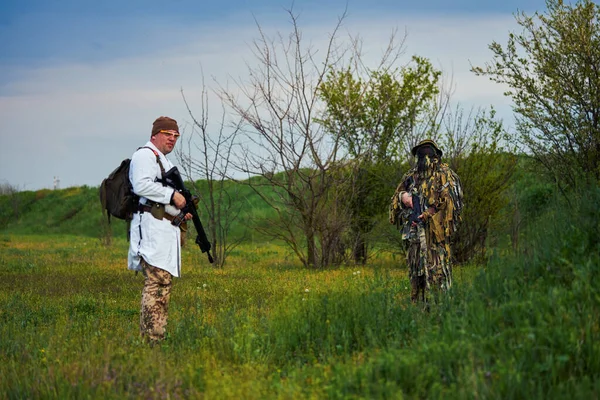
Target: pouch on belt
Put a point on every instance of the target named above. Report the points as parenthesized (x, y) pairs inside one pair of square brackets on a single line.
[(158, 210)]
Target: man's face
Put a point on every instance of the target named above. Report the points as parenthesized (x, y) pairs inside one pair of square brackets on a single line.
[(425, 155), (426, 151), (165, 141)]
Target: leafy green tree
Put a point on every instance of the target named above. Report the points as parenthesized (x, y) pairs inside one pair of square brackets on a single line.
[(475, 146), (372, 119), (552, 69), (373, 116)]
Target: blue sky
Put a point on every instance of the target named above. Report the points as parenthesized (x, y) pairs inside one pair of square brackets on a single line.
[(82, 81)]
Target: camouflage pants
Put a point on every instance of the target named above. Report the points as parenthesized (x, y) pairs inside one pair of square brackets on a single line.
[(429, 265), (155, 302)]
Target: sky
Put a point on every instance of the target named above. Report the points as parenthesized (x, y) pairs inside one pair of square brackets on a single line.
[(81, 81)]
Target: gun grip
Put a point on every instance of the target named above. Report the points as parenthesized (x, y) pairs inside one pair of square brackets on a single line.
[(178, 220)]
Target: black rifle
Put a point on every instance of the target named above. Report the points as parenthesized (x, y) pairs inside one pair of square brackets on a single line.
[(173, 179), (416, 202), (416, 210)]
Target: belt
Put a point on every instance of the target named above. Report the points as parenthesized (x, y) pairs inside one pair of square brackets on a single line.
[(146, 208)]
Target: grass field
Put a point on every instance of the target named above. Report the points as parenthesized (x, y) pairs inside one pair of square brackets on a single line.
[(265, 328), (522, 325)]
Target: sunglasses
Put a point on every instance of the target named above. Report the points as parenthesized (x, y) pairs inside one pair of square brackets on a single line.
[(173, 134)]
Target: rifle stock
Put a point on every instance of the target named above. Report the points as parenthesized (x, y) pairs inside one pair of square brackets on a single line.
[(174, 180)]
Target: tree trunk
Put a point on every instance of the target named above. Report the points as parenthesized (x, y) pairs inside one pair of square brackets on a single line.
[(359, 250)]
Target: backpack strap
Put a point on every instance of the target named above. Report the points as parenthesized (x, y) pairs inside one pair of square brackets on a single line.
[(162, 174), (162, 169)]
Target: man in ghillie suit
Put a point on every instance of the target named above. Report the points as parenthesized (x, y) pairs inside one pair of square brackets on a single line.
[(426, 207)]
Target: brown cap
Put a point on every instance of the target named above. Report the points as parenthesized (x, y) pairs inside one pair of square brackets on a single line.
[(164, 124), (425, 142)]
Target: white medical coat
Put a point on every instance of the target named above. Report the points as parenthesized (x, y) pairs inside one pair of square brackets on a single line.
[(157, 241)]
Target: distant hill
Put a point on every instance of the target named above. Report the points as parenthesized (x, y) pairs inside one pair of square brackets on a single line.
[(77, 211)]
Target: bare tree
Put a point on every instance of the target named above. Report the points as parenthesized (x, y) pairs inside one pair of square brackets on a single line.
[(7, 189), (287, 156), (218, 198)]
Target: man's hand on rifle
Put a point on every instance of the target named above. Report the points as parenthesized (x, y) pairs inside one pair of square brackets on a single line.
[(178, 200), (428, 213)]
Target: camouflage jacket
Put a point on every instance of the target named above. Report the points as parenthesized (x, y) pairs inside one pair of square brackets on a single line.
[(439, 196)]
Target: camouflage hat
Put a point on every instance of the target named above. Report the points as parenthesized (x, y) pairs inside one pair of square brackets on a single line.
[(423, 143)]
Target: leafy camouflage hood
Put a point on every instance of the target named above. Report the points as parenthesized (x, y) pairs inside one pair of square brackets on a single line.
[(427, 142)]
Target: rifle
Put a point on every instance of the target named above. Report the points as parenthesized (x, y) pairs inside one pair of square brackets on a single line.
[(416, 210), (416, 203), (173, 179)]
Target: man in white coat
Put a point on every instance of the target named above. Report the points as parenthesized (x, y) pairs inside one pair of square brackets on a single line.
[(155, 243)]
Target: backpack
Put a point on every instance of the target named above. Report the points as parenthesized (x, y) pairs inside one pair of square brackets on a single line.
[(116, 192)]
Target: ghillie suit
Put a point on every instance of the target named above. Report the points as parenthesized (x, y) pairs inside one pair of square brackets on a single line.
[(427, 227)]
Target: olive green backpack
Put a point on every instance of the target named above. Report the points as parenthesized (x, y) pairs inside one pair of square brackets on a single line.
[(116, 192)]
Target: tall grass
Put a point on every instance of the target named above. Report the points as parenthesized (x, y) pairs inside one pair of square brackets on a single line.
[(525, 325)]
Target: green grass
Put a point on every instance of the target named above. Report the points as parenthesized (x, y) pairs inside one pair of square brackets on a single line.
[(265, 328), (524, 325), (70, 321), (74, 211)]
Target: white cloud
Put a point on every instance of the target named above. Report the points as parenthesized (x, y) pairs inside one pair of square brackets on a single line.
[(79, 120)]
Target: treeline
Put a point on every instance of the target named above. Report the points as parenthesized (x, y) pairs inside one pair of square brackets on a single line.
[(491, 215)]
